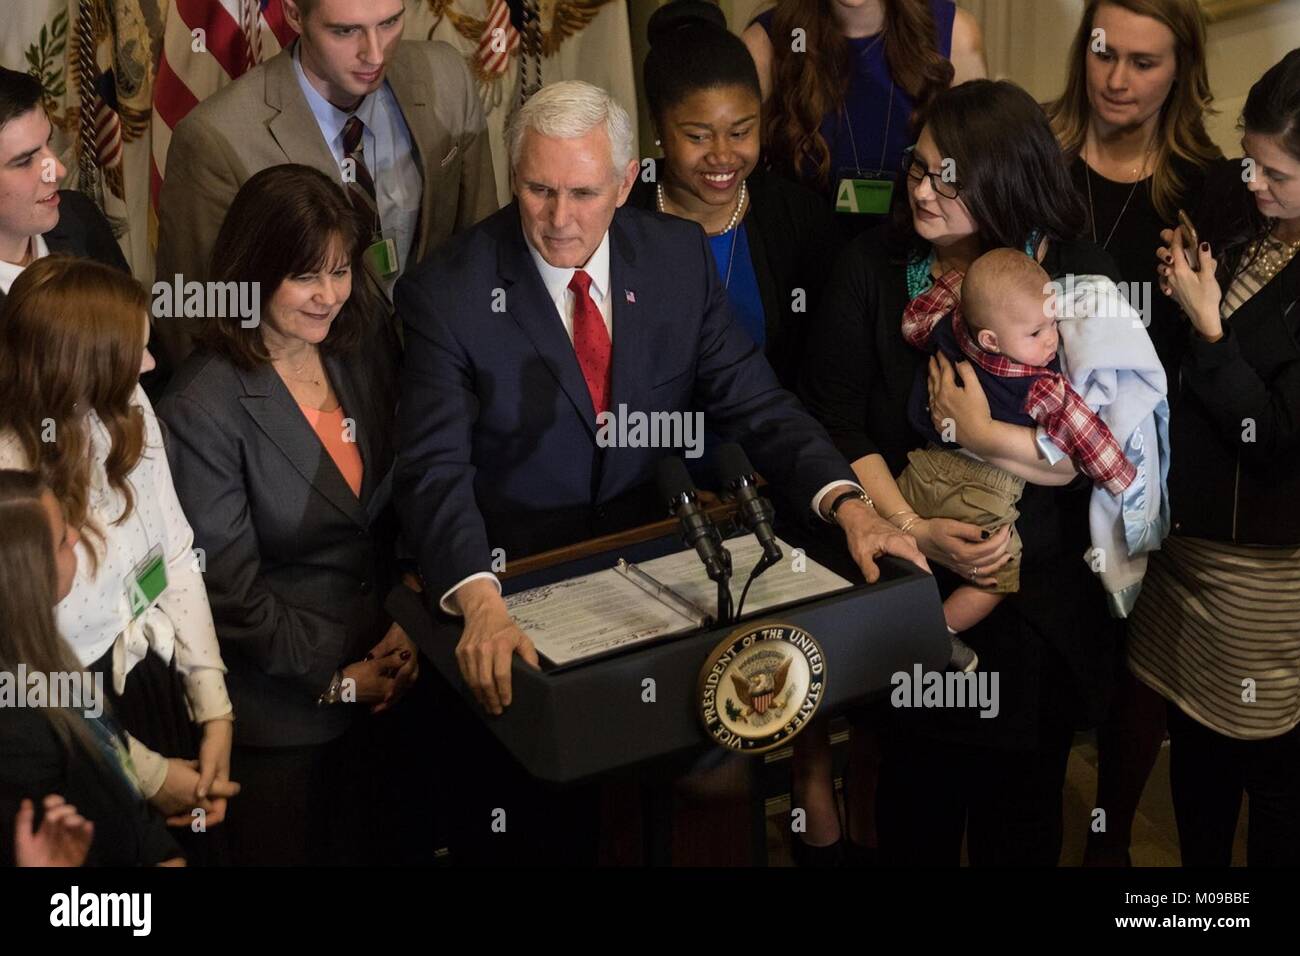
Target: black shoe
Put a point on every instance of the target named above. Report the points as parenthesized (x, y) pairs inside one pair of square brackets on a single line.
[(816, 857)]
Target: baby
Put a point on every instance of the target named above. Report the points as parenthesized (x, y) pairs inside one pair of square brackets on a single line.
[(1005, 326)]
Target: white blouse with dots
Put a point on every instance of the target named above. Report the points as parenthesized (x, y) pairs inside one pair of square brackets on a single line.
[(96, 615)]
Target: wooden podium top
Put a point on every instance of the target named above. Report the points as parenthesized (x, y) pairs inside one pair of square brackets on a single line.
[(718, 511)]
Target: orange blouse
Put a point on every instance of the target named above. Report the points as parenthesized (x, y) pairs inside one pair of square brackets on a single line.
[(338, 441)]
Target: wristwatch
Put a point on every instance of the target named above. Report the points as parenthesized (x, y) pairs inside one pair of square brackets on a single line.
[(333, 692), (854, 493)]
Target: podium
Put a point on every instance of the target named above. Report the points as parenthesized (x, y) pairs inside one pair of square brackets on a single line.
[(571, 724)]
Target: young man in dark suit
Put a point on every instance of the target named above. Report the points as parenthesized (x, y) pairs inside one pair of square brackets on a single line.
[(36, 217)]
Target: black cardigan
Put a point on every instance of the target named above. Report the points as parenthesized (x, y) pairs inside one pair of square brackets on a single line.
[(1054, 641), (34, 763), (792, 245), (1223, 486)]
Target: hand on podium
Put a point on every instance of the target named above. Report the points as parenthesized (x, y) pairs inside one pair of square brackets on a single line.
[(487, 644), (869, 536)]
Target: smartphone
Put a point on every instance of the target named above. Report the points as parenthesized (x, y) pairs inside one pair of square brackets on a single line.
[(1191, 242)]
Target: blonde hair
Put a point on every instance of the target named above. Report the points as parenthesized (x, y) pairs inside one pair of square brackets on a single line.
[(1181, 133)]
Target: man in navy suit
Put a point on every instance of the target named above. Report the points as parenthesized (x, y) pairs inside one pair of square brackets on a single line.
[(521, 330)]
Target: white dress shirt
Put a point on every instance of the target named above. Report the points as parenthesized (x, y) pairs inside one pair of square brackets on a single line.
[(557, 282), (390, 157), (9, 271)]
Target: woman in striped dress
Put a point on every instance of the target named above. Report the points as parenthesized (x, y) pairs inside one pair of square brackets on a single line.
[(1217, 629)]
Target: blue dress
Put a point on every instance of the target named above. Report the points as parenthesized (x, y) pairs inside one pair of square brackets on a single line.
[(867, 111)]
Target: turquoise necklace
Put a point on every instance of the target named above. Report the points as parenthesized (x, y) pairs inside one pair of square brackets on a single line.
[(919, 278)]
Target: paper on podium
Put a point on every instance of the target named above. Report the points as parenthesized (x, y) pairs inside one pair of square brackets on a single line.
[(779, 584), (593, 614)]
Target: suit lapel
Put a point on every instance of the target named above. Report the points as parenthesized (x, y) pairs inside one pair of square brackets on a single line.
[(294, 125), (268, 402), (629, 384), (413, 94), (532, 309)]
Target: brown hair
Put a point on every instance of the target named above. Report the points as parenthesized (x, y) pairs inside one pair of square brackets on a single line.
[(808, 85), (1181, 133), (72, 334), (284, 222), (29, 585)]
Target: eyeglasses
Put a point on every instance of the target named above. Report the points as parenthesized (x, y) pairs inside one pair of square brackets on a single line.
[(916, 170)]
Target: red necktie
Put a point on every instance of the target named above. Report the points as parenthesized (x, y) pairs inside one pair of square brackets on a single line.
[(590, 341)]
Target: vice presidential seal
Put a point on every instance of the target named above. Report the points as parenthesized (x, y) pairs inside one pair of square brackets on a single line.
[(760, 686)]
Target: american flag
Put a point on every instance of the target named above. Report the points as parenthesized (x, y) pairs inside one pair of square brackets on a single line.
[(237, 35), (497, 42)]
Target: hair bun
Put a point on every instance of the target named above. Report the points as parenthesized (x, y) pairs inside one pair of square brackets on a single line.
[(679, 14)]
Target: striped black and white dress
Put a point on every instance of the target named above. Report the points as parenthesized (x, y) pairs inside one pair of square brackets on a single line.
[(1217, 628)]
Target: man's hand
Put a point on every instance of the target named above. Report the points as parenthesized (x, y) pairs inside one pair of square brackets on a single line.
[(62, 840), (487, 644), (869, 536)]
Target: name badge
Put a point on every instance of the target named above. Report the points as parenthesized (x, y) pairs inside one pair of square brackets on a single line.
[(864, 195), (146, 582), (381, 259)]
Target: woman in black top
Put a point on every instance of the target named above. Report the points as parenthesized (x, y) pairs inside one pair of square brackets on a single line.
[(1217, 627), (773, 241), (1132, 120), (57, 749), (1053, 642)]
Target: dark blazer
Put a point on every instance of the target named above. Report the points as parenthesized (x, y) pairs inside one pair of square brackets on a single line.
[(792, 245), (1222, 486), (1053, 641), (35, 763), (298, 568), (82, 231), (497, 432)]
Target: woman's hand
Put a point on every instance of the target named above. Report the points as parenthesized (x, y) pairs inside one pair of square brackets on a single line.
[(372, 681), (1197, 291), (214, 753), (960, 412), (402, 660), (178, 795), (62, 840), (965, 549)]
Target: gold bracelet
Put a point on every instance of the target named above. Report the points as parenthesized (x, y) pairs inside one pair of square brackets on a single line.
[(907, 525)]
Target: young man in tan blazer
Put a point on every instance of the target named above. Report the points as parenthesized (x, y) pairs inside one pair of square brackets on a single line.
[(398, 123)]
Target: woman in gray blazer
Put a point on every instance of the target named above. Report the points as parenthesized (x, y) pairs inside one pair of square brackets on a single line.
[(280, 441)]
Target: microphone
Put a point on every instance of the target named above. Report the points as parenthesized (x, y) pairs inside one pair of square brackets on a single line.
[(698, 532), (755, 511)]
